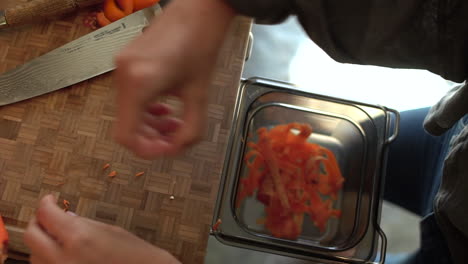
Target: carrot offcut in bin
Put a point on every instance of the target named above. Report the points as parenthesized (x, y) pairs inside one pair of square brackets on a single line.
[(292, 178)]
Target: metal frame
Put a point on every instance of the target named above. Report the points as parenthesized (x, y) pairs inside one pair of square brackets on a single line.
[(389, 136)]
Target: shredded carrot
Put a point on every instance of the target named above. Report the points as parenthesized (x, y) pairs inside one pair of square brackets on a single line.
[(105, 167), (4, 238), (127, 6), (291, 177), (139, 174), (216, 225), (112, 174)]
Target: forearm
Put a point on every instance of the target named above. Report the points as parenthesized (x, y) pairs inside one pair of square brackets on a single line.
[(205, 22)]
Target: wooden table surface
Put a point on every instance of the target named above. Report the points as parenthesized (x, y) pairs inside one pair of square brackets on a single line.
[(65, 138)]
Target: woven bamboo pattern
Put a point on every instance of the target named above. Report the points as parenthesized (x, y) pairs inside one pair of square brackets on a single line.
[(58, 143)]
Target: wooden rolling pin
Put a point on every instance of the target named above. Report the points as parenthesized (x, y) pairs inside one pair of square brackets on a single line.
[(40, 9)]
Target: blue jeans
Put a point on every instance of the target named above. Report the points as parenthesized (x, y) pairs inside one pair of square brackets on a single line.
[(414, 172)]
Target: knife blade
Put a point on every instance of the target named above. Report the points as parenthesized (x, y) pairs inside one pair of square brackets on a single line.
[(39, 10), (79, 60)]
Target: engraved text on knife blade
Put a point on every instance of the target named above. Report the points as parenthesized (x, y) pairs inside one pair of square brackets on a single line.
[(84, 58)]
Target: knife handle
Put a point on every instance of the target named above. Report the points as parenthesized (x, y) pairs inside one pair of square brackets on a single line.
[(43, 9)]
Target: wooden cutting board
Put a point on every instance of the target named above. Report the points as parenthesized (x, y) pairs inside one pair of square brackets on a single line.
[(58, 143)]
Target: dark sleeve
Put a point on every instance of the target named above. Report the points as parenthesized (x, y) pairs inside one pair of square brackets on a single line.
[(264, 11), (417, 34)]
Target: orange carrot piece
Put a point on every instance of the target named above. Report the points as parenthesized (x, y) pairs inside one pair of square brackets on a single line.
[(112, 11), (3, 240), (274, 170), (139, 174), (127, 6), (112, 174), (216, 225), (66, 205), (105, 167), (102, 20)]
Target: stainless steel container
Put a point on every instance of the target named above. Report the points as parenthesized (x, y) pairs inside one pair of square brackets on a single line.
[(356, 133)]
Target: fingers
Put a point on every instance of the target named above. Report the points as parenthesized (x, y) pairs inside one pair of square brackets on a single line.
[(42, 246), (137, 88), (160, 134), (194, 119), (159, 109), (154, 125), (52, 218)]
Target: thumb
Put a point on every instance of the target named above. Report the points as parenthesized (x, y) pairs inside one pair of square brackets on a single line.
[(52, 218), (194, 119)]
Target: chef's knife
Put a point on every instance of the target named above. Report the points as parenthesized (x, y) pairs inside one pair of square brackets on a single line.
[(79, 60), (40, 9)]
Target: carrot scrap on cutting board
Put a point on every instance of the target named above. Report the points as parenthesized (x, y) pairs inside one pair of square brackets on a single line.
[(66, 205), (106, 166), (291, 177), (139, 174), (3, 241), (112, 174)]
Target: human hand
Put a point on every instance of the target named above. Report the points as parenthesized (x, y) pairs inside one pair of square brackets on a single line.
[(174, 56), (56, 237)]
